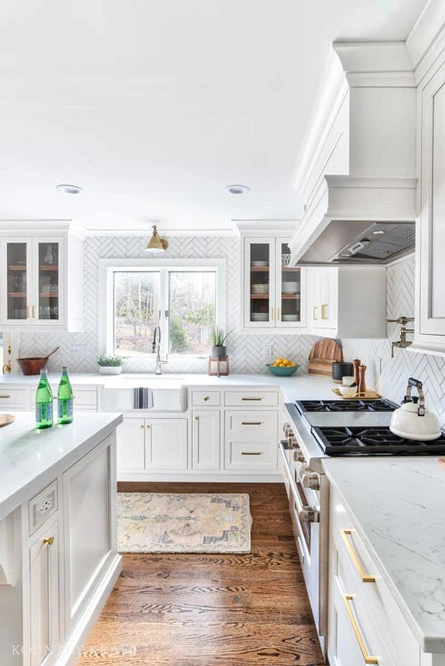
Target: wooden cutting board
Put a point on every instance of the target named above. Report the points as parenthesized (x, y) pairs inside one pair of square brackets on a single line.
[(323, 354), (6, 419)]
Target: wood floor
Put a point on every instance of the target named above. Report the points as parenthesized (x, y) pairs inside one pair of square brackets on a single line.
[(211, 610)]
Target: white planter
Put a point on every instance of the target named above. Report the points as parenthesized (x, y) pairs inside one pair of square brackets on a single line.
[(110, 369)]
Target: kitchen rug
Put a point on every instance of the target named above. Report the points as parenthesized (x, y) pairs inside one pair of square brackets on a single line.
[(183, 523)]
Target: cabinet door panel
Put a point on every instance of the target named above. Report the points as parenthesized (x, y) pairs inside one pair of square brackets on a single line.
[(166, 444), (131, 444), (48, 261), (44, 596), (89, 533), (206, 439), (290, 289), (259, 283), (17, 282)]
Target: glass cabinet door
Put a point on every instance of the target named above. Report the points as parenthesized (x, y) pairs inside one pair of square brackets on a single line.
[(289, 289), (48, 279), (17, 273), (259, 298)]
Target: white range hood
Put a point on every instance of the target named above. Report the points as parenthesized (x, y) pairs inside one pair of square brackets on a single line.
[(356, 174)]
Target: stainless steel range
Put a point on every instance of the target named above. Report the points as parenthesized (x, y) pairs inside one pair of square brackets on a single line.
[(320, 428)]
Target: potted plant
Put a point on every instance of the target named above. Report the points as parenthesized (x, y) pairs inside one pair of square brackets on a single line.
[(218, 340), (110, 365)]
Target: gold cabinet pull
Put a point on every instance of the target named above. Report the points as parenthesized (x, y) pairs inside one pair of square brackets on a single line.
[(4, 397), (278, 314), (48, 541), (28, 312), (147, 427), (33, 311), (257, 399), (315, 312), (251, 453), (367, 658), (195, 418), (141, 426), (207, 397), (323, 311), (272, 314), (251, 422), (365, 578)]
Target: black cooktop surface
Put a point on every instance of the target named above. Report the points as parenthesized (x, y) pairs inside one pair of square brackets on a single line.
[(345, 406), (349, 441)]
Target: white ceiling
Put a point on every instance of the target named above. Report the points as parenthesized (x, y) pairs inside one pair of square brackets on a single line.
[(154, 106)]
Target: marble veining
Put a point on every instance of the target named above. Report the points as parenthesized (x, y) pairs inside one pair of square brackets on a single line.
[(398, 507)]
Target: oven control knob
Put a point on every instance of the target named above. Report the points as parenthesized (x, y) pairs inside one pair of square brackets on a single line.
[(298, 456), (309, 515), (311, 480)]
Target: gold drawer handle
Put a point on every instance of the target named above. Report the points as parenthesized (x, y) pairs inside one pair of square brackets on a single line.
[(366, 578), (48, 541), (323, 311), (367, 658), (4, 397), (251, 422), (255, 399), (251, 453)]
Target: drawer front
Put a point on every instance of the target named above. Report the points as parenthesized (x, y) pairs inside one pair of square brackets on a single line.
[(42, 507), (206, 398), (85, 399), (251, 399), (19, 398), (252, 425), (250, 456), (358, 574)]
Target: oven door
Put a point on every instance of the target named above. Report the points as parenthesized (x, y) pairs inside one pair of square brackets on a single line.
[(306, 527)]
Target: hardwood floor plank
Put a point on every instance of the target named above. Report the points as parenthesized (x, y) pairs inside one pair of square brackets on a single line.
[(210, 609)]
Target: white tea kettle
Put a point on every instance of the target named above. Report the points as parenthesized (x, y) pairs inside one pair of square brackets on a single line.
[(412, 420)]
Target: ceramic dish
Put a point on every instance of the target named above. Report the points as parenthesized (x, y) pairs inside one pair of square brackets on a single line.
[(259, 316)]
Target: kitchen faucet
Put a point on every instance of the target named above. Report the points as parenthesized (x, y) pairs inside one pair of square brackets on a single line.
[(403, 342), (156, 349)]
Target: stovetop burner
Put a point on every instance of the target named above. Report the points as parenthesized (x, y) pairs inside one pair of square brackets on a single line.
[(345, 406), (347, 441)]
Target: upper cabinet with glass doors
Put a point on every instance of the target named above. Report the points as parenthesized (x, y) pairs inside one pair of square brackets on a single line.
[(273, 291), (40, 281)]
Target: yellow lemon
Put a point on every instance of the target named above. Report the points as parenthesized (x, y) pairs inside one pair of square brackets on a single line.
[(279, 360)]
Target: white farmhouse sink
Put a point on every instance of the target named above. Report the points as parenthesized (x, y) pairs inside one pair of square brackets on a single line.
[(170, 396)]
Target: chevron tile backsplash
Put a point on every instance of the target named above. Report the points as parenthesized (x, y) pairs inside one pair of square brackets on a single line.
[(247, 352)]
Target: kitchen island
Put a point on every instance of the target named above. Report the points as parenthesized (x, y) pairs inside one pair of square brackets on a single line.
[(58, 547)]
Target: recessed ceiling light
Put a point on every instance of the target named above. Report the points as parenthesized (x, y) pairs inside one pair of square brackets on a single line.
[(69, 189), (237, 189), (379, 232)]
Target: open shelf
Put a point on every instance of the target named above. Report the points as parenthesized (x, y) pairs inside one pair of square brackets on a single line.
[(48, 267), (17, 294), (286, 297), (259, 296), (17, 267), (49, 295)]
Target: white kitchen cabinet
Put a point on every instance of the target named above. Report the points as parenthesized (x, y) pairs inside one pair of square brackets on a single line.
[(206, 439), (430, 241), (273, 292), (41, 280), (44, 595), (347, 301), (166, 444), (131, 444)]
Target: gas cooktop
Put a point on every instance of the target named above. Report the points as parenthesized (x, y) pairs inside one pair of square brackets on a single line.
[(345, 406), (371, 441)]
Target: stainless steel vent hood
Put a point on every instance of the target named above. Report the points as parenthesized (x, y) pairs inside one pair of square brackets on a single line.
[(356, 172)]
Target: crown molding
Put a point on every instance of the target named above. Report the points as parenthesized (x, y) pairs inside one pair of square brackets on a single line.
[(273, 227), (427, 38)]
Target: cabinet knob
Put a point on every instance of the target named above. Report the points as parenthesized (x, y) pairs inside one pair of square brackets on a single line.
[(141, 426), (207, 397), (49, 541), (195, 418), (147, 427)]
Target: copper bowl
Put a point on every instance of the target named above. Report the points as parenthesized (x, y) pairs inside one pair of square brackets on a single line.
[(32, 365)]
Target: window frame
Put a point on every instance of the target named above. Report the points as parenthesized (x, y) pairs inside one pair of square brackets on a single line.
[(108, 267)]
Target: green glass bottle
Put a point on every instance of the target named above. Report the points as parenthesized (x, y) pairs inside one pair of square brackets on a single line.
[(44, 402), (65, 399)]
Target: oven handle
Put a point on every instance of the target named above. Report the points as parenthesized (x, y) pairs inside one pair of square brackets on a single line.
[(306, 514)]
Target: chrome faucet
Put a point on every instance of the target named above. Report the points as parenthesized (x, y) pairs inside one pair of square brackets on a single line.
[(403, 342), (156, 349)]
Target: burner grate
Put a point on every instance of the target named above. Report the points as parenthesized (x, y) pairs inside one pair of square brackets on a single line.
[(345, 406), (373, 441)]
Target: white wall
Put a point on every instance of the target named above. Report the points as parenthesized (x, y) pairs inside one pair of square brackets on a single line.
[(247, 353)]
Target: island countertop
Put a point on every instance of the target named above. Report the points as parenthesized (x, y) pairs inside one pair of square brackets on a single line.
[(398, 507), (30, 458)]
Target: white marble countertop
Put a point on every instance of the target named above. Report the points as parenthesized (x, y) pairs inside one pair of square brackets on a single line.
[(30, 458), (398, 505), (297, 387)]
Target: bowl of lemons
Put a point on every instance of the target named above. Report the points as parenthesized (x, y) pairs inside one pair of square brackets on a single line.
[(282, 367)]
